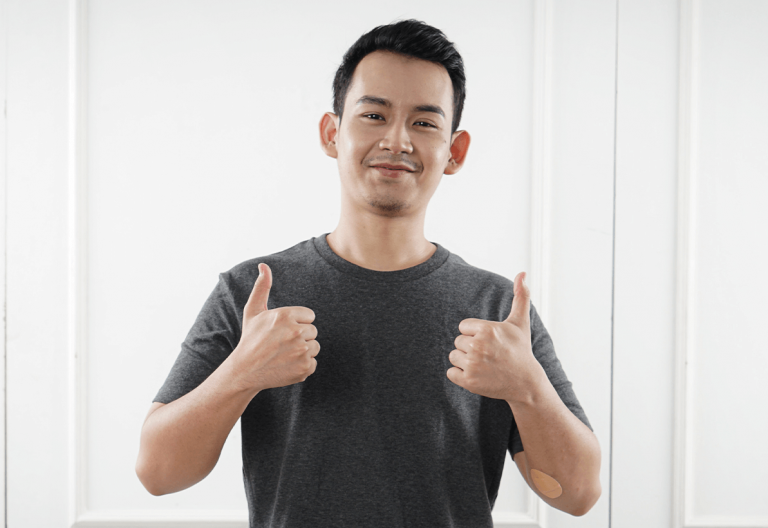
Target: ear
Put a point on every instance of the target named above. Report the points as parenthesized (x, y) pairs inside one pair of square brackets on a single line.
[(328, 130), (459, 147)]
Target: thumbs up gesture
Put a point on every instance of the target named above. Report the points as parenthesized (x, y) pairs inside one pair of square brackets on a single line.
[(492, 358), (277, 347)]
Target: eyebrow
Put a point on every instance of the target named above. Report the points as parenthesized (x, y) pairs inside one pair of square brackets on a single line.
[(372, 99)]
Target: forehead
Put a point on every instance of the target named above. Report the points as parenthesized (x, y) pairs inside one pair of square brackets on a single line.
[(403, 80)]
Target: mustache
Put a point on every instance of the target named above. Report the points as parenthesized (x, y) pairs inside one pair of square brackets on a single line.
[(394, 160)]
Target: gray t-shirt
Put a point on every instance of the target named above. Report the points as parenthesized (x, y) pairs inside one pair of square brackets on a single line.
[(378, 435)]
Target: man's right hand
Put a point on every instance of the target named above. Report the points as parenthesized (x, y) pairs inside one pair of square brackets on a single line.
[(277, 347)]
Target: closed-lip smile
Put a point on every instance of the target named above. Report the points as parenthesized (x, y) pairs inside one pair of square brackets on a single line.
[(392, 167)]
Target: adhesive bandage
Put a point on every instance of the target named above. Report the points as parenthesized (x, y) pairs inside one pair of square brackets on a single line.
[(546, 484)]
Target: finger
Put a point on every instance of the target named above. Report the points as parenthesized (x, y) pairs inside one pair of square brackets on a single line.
[(309, 332), (456, 375), (257, 301), (521, 303), (471, 326), (463, 343), (458, 359), (301, 314)]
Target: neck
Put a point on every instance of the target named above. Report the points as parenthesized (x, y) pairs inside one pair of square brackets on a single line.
[(387, 246)]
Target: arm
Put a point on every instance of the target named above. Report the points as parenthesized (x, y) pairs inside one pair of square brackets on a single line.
[(182, 441), (495, 359), (558, 444)]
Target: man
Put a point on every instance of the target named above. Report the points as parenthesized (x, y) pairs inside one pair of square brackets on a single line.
[(431, 368)]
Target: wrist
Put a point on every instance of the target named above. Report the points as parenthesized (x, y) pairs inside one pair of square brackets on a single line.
[(535, 382), (233, 375)]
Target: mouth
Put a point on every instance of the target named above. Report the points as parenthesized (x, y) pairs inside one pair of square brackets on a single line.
[(392, 171)]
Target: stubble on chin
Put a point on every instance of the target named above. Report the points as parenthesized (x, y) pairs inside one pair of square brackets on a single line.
[(387, 207)]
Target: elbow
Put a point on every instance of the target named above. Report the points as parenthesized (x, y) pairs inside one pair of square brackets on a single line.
[(593, 489), (149, 479), (146, 481), (588, 501), (160, 478)]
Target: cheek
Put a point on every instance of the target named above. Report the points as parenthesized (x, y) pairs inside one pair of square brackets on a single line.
[(357, 143), (351, 153), (439, 152)]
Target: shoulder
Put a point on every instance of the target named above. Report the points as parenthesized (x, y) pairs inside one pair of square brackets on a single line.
[(478, 277), (483, 287), (490, 287), (295, 256), (239, 279)]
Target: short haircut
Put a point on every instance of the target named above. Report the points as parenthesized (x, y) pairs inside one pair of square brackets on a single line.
[(411, 38)]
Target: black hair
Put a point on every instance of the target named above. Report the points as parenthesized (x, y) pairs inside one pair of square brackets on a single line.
[(411, 38)]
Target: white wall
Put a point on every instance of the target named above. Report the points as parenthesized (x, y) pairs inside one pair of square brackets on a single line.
[(150, 145), (689, 419)]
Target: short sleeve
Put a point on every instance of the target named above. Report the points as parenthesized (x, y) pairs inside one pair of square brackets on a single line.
[(213, 336), (544, 352)]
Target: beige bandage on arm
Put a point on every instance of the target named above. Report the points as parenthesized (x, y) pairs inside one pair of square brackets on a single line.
[(546, 484)]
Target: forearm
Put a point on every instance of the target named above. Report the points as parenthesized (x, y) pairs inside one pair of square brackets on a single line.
[(181, 442), (558, 444)]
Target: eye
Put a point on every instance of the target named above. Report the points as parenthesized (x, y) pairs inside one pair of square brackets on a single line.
[(374, 116), (425, 123)]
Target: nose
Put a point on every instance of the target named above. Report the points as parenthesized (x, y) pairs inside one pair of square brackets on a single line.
[(396, 139)]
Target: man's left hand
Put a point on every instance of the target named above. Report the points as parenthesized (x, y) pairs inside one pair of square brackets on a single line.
[(495, 359)]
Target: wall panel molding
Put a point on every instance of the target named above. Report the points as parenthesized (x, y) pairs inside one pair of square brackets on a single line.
[(541, 161), (4, 242), (79, 515), (686, 299), (163, 519), (77, 238), (684, 274)]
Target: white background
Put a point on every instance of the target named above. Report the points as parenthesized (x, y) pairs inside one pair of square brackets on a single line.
[(618, 155)]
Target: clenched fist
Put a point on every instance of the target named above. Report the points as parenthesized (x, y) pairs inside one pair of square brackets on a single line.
[(277, 347)]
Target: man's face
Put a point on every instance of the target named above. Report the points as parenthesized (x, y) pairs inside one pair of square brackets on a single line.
[(394, 142)]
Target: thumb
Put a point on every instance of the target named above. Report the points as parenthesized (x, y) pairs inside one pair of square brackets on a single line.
[(257, 302), (521, 303)]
